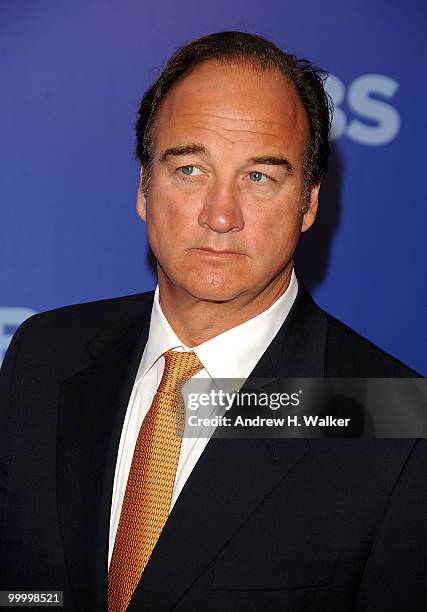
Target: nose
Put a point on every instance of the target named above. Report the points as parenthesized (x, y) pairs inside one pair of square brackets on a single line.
[(221, 211)]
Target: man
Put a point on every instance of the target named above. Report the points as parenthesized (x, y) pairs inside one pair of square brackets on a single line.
[(99, 499)]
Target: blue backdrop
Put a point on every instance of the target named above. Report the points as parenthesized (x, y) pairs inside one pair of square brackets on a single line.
[(72, 75)]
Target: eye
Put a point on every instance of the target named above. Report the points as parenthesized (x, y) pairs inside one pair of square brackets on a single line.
[(189, 170), (258, 177)]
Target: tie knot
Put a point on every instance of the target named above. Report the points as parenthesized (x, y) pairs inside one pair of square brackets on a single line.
[(178, 367)]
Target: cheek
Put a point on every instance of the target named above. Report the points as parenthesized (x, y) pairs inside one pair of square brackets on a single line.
[(170, 225), (161, 213), (170, 207), (274, 235)]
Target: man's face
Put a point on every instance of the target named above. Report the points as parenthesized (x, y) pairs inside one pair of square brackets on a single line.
[(225, 197)]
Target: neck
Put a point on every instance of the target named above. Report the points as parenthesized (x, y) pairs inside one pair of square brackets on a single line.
[(195, 320)]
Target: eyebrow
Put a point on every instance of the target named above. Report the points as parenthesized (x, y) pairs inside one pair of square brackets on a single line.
[(195, 148), (188, 149), (273, 160)]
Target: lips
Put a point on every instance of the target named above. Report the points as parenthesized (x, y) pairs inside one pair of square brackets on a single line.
[(210, 251)]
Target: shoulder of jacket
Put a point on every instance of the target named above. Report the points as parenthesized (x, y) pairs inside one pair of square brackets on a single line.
[(65, 329), (355, 355), (88, 314)]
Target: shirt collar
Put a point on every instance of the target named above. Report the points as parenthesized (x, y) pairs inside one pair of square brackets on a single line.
[(232, 354)]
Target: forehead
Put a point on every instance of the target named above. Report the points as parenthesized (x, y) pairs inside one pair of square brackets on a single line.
[(235, 104)]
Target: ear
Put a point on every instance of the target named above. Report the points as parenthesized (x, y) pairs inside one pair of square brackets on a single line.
[(311, 211), (141, 200)]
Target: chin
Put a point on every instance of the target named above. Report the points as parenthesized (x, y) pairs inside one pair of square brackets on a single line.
[(211, 288)]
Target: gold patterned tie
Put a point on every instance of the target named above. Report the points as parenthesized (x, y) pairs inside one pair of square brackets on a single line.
[(149, 488)]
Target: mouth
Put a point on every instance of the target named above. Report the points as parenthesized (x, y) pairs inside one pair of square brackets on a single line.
[(216, 252)]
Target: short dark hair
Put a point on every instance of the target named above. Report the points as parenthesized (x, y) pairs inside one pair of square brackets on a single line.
[(240, 47)]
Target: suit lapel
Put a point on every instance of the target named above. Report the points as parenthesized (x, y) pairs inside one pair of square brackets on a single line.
[(232, 477), (93, 404)]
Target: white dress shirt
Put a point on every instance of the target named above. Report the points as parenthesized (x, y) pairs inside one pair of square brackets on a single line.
[(232, 354)]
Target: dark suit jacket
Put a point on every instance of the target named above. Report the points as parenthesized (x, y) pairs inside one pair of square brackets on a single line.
[(296, 524)]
